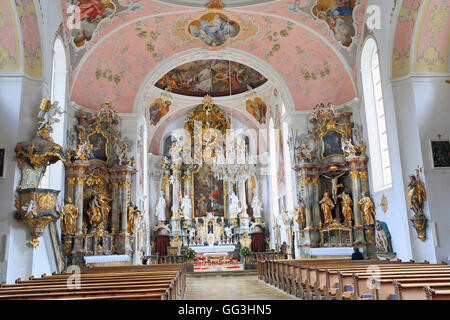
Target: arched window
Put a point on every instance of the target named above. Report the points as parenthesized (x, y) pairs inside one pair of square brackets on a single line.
[(375, 117), (53, 177)]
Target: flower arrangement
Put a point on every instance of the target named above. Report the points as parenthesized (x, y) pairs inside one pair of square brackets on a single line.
[(190, 253), (246, 252)]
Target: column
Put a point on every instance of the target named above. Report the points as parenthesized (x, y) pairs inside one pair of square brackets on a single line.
[(115, 208), (175, 219), (125, 185)]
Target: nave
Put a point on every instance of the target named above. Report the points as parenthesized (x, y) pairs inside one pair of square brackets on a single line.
[(235, 286)]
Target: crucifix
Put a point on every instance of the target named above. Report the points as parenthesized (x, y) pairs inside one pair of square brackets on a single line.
[(335, 185)]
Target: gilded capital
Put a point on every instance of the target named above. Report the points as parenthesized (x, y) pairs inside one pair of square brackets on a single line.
[(354, 175)]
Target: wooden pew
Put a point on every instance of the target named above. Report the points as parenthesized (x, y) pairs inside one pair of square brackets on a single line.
[(103, 283), (407, 290), (433, 294)]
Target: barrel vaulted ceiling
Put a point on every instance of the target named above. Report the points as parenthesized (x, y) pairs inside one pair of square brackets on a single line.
[(122, 41)]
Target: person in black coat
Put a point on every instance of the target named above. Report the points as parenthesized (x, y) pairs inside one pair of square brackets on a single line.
[(357, 255)]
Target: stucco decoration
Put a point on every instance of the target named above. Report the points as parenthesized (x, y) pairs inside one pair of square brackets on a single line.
[(32, 54), (132, 51), (432, 39), (9, 40), (403, 37)]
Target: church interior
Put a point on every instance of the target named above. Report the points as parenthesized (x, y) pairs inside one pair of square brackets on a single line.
[(281, 149)]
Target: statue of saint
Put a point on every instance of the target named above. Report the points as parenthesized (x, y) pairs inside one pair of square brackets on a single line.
[(300, 215), (335, 185), (235, 207), (245, 241), (347, 205), (133, 215), (382, 238), (256, 206), (367, 208), (186, 206), (326, 204), (68, 221), (176, 243), (416, 195), (98, 209), (161, 209)]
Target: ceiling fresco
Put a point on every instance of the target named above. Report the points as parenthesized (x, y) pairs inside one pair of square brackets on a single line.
[(123, 45), (214, 77)]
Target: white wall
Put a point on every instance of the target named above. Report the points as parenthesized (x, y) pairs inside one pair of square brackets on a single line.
[(20, 97)]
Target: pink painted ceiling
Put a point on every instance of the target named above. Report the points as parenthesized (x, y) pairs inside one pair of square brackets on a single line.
[(126, 46)]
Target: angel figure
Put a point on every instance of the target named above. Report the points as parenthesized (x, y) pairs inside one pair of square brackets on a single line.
[(303, 153), (349, 148), (83, 151)]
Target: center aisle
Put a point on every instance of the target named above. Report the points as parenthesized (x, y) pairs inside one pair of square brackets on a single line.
[(231, 287)]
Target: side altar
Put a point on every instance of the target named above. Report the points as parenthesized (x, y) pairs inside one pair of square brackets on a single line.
[(100, 218), (334, 209), (207, 200)]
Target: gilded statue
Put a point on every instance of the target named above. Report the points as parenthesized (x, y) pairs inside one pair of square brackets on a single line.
[(326, 204), (133, 215), (176, 243), (245, 241), (347, 204), (367, 208), (300, 215), (70, 213), (98, 209), (416, 195)]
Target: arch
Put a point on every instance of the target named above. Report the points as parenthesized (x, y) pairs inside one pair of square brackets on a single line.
[(231, 54), (374, 110)]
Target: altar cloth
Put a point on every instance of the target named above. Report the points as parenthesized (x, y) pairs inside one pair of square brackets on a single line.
[(110, 258), (336, 251), (215, 249)]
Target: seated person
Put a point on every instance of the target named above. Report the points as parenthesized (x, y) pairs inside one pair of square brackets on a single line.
[(357, 255)]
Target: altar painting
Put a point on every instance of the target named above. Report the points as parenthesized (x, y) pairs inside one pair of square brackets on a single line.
[(207, 193), (332, 144), (99, 143)]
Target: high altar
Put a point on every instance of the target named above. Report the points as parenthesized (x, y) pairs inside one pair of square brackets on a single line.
[(334, 210), (207, 195)]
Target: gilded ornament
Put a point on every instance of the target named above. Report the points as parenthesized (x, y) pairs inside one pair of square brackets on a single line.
[(46, 201)]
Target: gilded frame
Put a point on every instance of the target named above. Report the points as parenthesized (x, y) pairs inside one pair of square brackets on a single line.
[(103, 133), (193, 192), (340, 129)]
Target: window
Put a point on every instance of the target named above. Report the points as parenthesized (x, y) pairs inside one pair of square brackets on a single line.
[(375, 117), (54, 174)]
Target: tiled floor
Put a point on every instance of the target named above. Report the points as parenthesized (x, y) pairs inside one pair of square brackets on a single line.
[(230, 287)]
